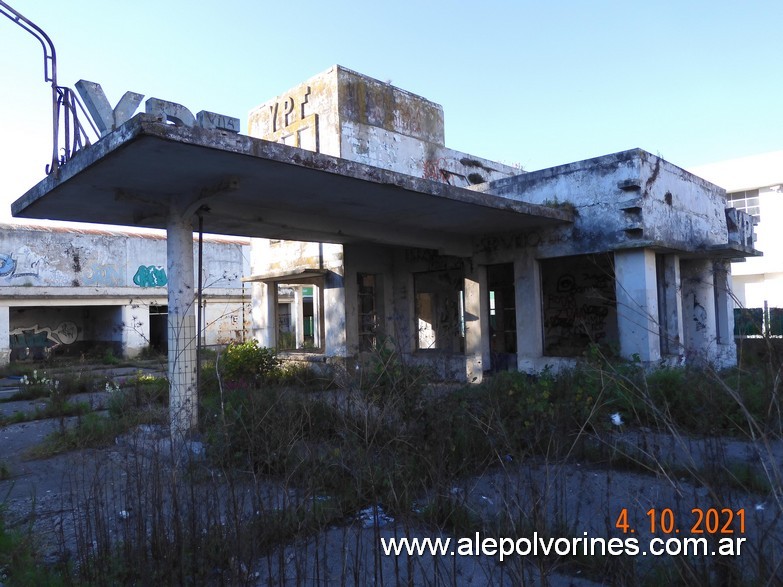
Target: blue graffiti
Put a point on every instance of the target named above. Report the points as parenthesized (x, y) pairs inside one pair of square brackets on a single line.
[(150, 276), (7, 265), (106, 275)]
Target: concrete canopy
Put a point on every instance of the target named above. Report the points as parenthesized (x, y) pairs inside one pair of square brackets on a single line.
[(251, 187)]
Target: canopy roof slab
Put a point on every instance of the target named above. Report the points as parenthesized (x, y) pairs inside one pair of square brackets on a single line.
[(138, 173)]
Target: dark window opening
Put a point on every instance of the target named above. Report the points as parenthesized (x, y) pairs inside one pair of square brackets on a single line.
[(579, 304), (439, 311), (369, 292), (502, 316), (159, 324)]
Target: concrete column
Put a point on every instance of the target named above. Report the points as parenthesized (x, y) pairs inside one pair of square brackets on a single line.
[(698, 309), (5, 336), (406, 328), (724, 314), (351, 313), (670, 304), (527, 287), (637, 304), (318, 298), (183, 406), (135, 329), (475, 292), (335, 308), (297, 314), (264, 315)]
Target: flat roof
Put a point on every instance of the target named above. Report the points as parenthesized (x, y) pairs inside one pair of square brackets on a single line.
[(254, 188), (124, 231)]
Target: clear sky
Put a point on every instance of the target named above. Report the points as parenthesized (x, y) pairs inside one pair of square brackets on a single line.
[(531, 82)]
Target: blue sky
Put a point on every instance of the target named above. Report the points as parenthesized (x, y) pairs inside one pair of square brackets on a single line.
[(536, 83)]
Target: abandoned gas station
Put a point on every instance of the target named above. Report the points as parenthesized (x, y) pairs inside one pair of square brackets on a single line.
[(368, 229)]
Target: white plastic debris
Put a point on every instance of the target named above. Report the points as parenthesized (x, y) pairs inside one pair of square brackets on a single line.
[(374, 516), (617, 419)]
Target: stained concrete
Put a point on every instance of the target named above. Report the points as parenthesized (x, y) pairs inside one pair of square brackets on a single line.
[(253, 187)]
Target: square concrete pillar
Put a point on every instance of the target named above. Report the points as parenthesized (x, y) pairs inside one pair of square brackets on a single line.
[(183, 401), (403, 306), (670, 304), (636, 292), (334, 309), (476, 317), (264, 313), (698, 308), (135, 329), (530, 338), (5, 336), (724, 314), (297, 313)]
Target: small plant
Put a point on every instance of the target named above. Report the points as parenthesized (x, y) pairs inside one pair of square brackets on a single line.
[(33, 386), (91, 431), (20, 563), (109, 358), (249, 362)]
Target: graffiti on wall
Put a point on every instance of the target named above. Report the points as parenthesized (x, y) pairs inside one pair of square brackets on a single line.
[(442, 170), (36, 341), (579, 305), (104, 275), (435, 170), (150, 276), (11, 267)]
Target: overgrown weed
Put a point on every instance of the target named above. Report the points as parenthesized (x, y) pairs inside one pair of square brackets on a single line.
[(516, 455)]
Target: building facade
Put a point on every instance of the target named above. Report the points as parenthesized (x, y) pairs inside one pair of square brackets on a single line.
[(68, 290), (753, 185), (641, 268)]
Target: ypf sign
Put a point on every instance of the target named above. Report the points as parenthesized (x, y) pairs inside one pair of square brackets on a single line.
[(107, 118)]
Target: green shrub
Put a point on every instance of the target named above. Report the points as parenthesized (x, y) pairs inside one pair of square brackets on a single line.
[(109, 358), (249, 362)]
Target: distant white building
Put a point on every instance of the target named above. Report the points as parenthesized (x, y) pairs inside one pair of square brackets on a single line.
[(754, 184)]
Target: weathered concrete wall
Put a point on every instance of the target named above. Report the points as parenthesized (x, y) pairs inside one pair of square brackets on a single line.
[(284, 259), (369, 260), (625, 200), (343, 113), (51, 257), (349, 115), (612, 277), (632, 204), (305, 116), (70, 288)]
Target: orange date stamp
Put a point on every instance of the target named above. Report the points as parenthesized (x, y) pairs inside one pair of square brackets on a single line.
[(714, 521)]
